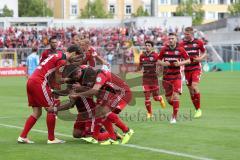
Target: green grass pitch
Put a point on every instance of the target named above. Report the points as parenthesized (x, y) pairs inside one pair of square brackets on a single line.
[(215, 136)]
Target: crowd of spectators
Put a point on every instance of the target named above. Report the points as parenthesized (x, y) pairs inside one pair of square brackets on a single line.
[(111, 43), (27, 38)]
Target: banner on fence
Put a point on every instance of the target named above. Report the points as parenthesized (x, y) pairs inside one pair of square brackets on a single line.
[(13, 71)]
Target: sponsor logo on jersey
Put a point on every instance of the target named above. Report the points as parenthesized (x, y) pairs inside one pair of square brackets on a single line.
[(170, 59), (99, 79)]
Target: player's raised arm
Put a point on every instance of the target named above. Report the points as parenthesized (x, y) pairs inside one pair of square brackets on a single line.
[(89, 93), (65, 106)]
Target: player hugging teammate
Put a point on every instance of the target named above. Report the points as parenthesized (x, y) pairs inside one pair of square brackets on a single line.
[(95, 119)]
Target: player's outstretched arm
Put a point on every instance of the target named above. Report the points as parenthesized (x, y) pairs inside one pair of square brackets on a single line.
[(77, 87), (70, 104), (91, 92)]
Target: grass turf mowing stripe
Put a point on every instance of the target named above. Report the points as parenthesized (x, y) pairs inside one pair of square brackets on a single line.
[(125, 145)]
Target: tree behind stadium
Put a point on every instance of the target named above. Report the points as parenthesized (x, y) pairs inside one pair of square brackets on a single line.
[(234, 8), (140, 12), (95, 9), (34, 8), (191, 8), (6, 12)]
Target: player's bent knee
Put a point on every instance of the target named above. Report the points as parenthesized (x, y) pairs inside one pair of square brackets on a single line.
[(37, 112), (175, 96), (117, 110)]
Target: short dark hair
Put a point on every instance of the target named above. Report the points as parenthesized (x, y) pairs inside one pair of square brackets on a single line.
[(34, 49), (51, 38), (172, 34), (73, 48), (149, 42), (189, 29)]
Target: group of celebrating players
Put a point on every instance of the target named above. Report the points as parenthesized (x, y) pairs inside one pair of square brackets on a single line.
[(100, 95)]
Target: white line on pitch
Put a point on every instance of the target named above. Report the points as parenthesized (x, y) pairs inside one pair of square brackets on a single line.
[(7, 117), (125, 145)]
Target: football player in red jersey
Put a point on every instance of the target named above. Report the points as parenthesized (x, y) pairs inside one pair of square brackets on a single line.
[(90, 54), (40, 95), (108, 99), (148, 62), (171, 57), (52, 50), (196, 50), (114, 93)]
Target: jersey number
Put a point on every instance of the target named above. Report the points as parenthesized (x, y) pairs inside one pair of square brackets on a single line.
[(45, 61)]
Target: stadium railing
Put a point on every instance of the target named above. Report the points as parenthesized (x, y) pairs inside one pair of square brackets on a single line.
[(220, 57)]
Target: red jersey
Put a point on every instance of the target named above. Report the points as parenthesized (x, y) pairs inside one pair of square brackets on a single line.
[(48, 52), (48, 66), (194, 48), (148, 63), (90, 57), (114, 85), (171, 55)]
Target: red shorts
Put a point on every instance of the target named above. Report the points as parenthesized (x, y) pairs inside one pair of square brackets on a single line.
[(113, 101), (150, 88), (172, 86), (39, 94), (192, 76), (86, 127), (83, 126)]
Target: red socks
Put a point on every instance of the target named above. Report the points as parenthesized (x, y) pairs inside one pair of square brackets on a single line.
[(109, 128), (106, 135), (28, 125), (175, 108), (148, 106), (112, 117), (51, 122), (196, 100)]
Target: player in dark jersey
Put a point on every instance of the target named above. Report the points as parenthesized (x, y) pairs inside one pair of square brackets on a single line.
[(40, 95), (148, 63), (196, 51), (172, 56), (52, 50)]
